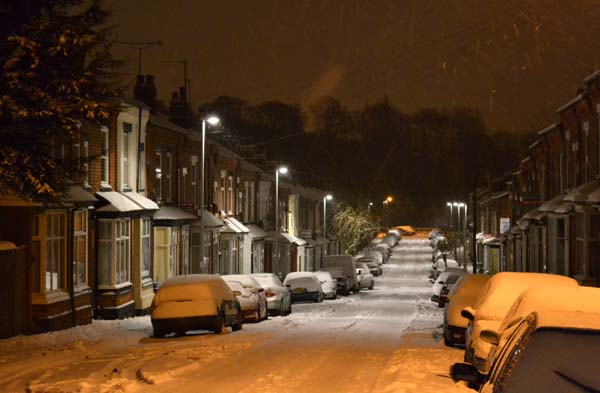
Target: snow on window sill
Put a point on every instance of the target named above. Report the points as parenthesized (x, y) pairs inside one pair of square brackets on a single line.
[(49, 297), (115, 286)]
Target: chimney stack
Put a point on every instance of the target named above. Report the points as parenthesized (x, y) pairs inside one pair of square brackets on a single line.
[(144, 90), (178, 109)]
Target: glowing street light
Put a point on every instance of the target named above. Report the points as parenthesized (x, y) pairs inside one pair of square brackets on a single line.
[(449, 204), (386, 202), (213, 121), (281, 170), (328, 197)]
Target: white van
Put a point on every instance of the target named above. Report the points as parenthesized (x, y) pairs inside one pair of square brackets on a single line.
[(346, 263)]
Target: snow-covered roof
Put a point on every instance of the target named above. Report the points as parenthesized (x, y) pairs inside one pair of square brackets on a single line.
[(76, 194), (547, 129), (534, 214), (499, 195), (592, 76), (256, 231), (172, 213), (117, 203), (552, 204), (233, 226), (141, 200), (503, 288), (572, 102), (581, 193), (209, 220)]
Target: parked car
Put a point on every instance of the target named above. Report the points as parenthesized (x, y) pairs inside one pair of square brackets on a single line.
[(194, 302), (375, 255), (249, 301), (279, 301), (346, 263), (552, 349), (464, 293), (440, 266), (341, 281), (366, 279), (254, 286), (328, 284), (495, 300), (305, 287), (446, 279)]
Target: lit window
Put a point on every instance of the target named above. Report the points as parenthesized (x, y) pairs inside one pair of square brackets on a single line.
[(55, 251), (80, 244), (158, 185), (104, 157)]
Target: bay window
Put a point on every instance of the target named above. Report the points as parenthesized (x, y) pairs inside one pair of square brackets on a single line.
[(114, 251), (55, 250), (80, 247), (146, 256)]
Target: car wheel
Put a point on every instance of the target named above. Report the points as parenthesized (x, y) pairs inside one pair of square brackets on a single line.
[(447, 339), (238, 324), (266, 308), (281, 311), (219, 325), (159, 333), (320, 298), (289, 309)]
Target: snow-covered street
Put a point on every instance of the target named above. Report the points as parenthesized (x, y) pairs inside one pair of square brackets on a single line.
[(386, 339)]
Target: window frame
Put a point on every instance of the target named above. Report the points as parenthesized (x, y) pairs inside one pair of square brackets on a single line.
[(79, 233), (158, 175), (169, 176), (48, 238), (105, 157)]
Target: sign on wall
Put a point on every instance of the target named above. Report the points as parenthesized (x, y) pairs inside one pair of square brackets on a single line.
[(504, 224)]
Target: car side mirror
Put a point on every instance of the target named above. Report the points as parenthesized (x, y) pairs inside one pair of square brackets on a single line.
[(441, 282), (431, 281), (490, 336), (468, 313), (465, 372), (443, 301)]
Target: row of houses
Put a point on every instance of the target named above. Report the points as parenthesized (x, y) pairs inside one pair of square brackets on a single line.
[(544, 216), (135, 219)]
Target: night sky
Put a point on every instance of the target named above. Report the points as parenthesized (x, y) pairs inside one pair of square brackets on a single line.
[(515, 60)]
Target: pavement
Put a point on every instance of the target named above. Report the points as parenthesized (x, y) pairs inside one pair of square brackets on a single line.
[(382, 340)]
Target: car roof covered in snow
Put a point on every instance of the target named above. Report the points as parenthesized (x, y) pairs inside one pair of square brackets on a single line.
[(544, 298), (244, 279), (323, 275), (502, 289), (193, 287), (295, 275)]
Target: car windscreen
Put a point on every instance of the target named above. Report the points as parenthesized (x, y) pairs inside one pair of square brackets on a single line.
[(453, 278), (554, 360)]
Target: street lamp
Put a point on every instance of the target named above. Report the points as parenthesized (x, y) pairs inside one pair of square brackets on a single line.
[(449, 204), (326, 198), (386, 202), (213, 121), (457, 206), (283, 170)]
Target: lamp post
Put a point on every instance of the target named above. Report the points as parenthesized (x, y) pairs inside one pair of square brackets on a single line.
[(212, 120), (326, 198), (386, 202), (449, 204), (283, 170), (465, 223), (369, 207), (457, 206)]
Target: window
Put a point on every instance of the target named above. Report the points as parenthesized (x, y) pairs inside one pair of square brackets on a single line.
[(158, 185), (193, 179), (114, 250), (104, 156), (125, 154), (55, 250), (174, 268), (80, 240), (146, 257), (85, 153), (122, 257), (185, 250), (223, 197), (234, 256), (230, 193), (568, 157), (579, 245), (169, 174), (586, 131)]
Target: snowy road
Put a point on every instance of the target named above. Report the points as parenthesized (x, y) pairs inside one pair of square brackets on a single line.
[(382, 340)]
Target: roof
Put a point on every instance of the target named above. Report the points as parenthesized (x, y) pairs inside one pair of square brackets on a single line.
[(164, 122), (547, 129), (500, 194), (141, 200), (233, 226), (552, 204), (130, 102), (76, 194), (256, 231), (534, 214), (117, 202), (570, 103), (581, 193), (172, 213), (209, 220)]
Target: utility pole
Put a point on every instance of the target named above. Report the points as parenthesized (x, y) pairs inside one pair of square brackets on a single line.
[(140, 46)]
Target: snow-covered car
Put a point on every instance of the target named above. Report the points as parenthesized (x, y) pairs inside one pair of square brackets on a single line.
[(446, 279), (464, 293), (346, 264), (341, 281), (249, 301), (304, 286), (375, 255), (328, 284), (254, 286), (279, 301), (552, 349), (390, 240), (501, 290), (366, 279), (194, 302), (370, 265), (440, 266), (385, 251)]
